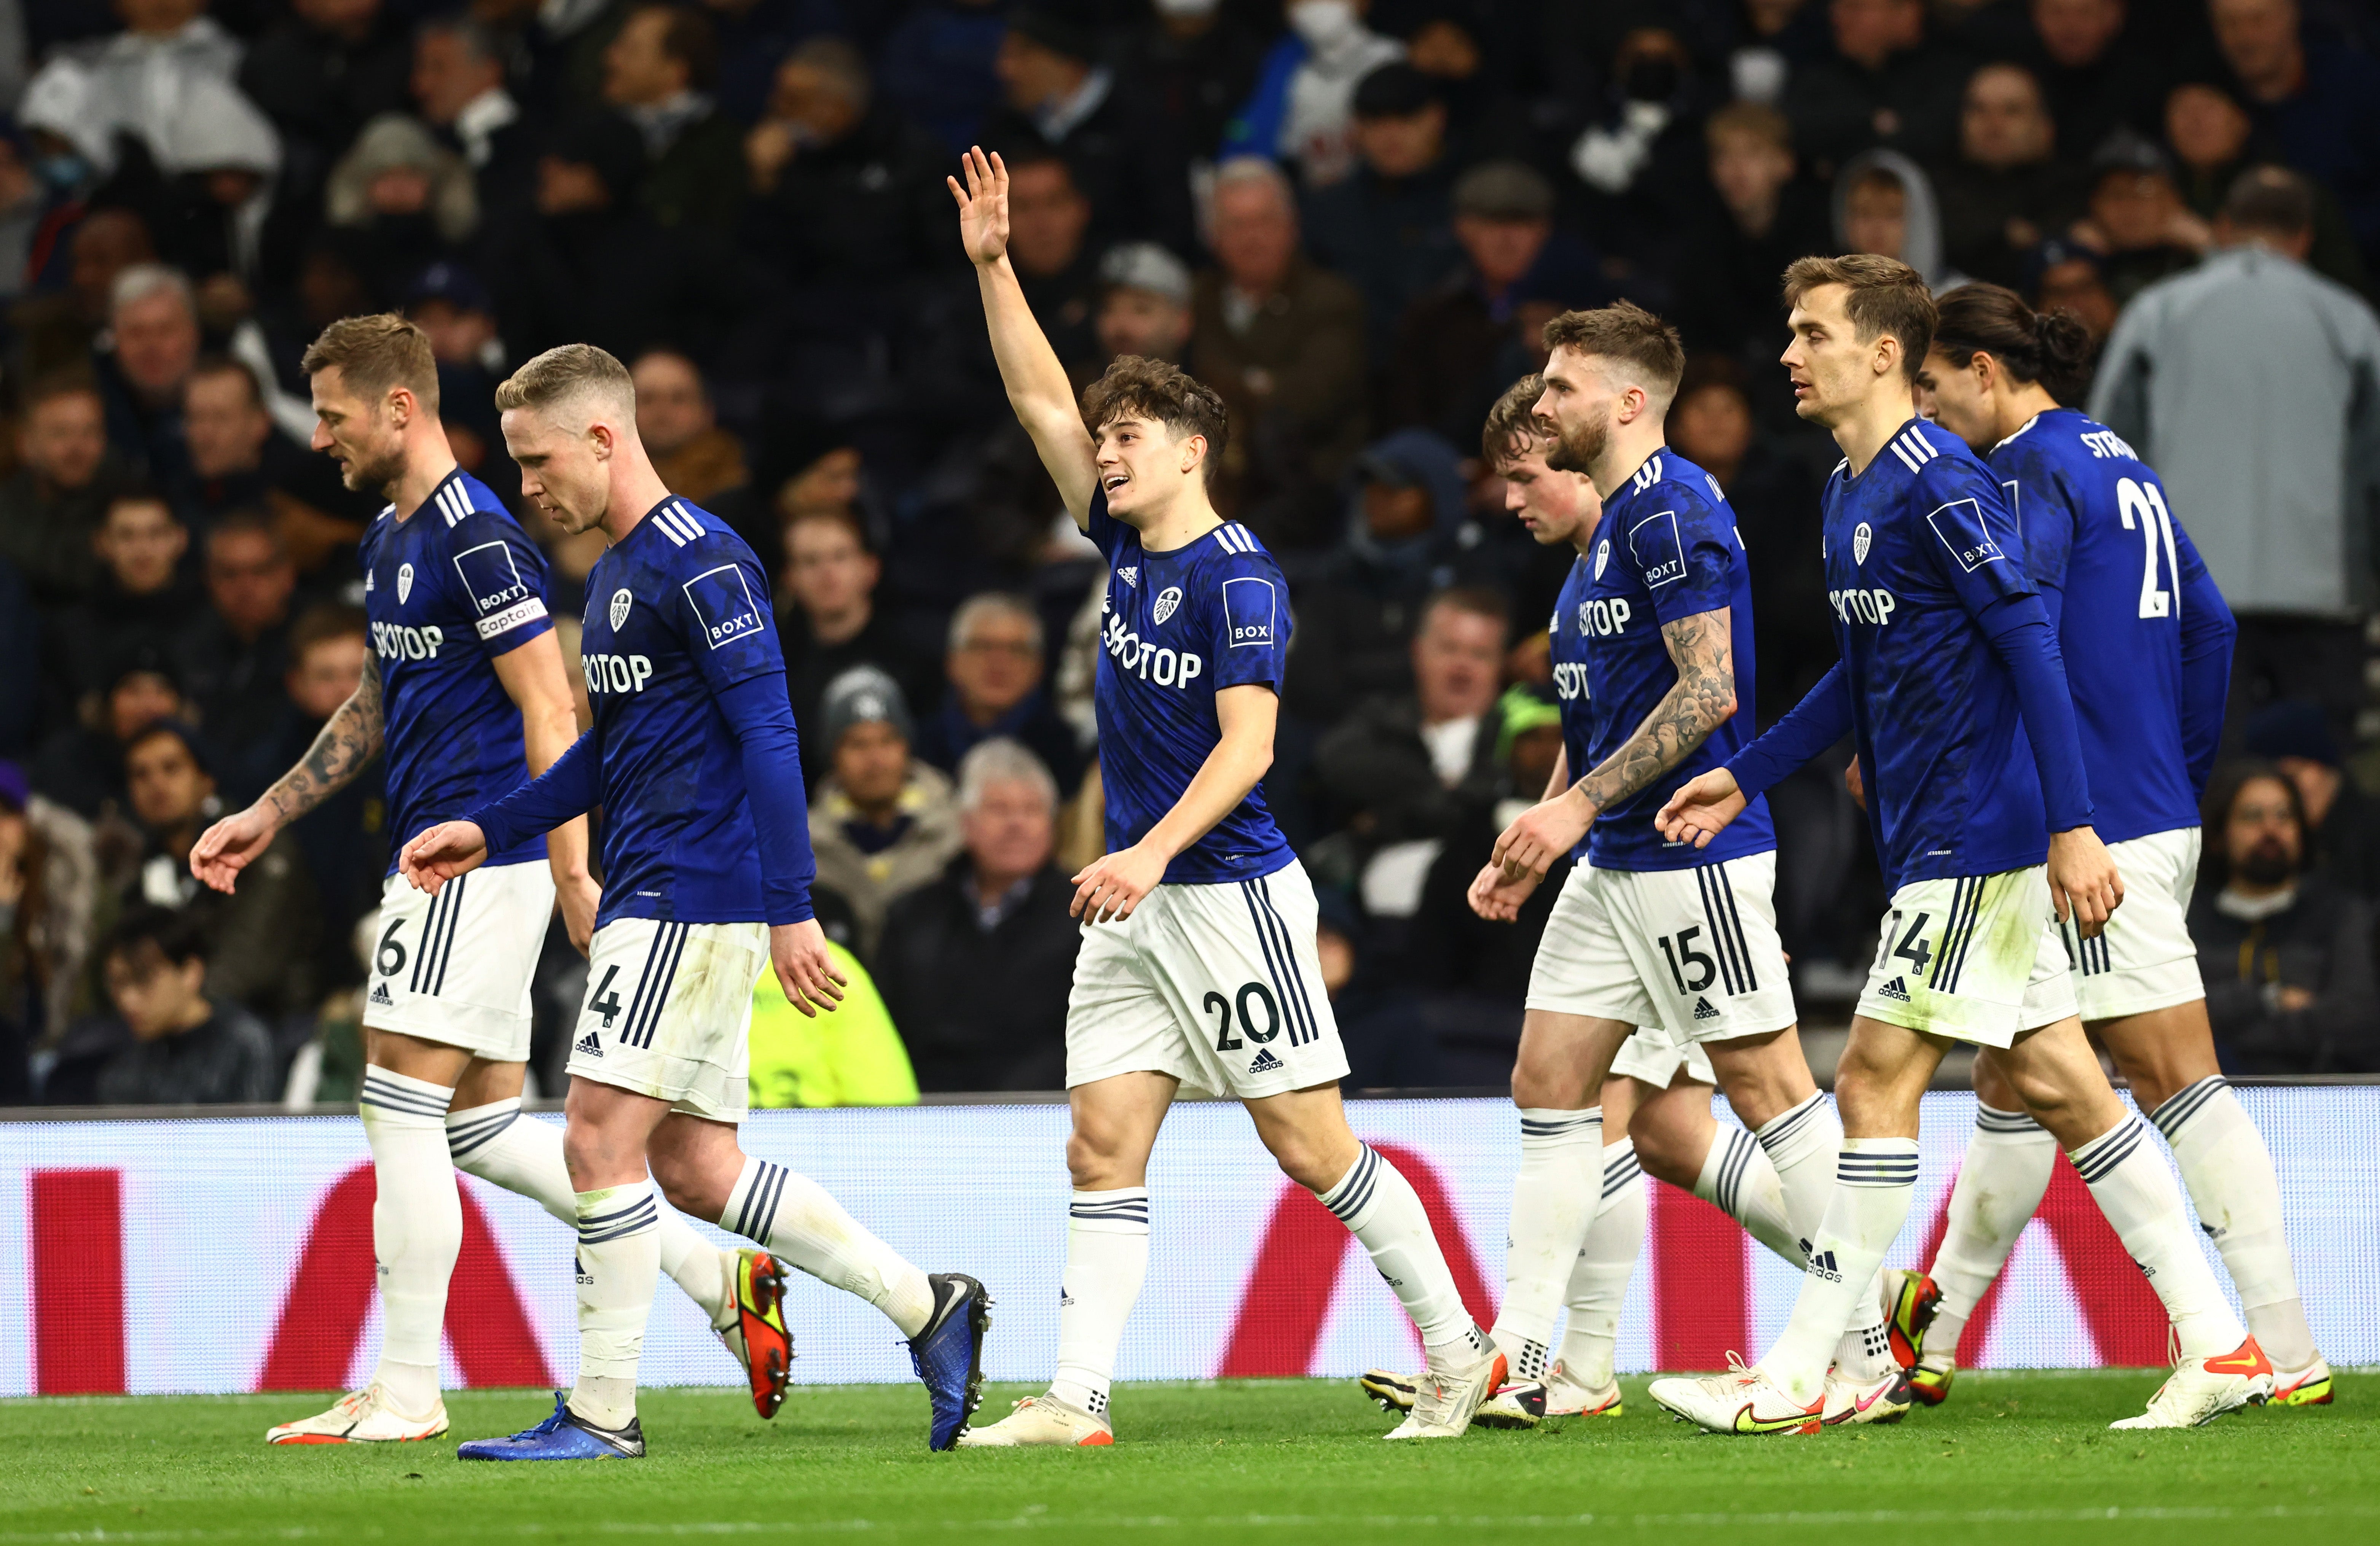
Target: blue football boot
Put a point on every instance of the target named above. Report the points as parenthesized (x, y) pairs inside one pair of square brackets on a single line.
[(948, 1355), (563, 1436)]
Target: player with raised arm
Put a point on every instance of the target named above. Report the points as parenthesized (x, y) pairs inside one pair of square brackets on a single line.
[(1198, 966), (707, 867), (1952, 686), (2147, 642), (466, 694), (1658, 1097)]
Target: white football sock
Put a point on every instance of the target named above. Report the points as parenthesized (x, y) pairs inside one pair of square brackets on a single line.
[(417, 1230), (1380, 1208), (1802, 1145), (491, 1143), (2229, 1172), (2141, 1200), (1555, 1195), (1598, 1277), (1107, 1258), (794, 1217), (1876, 1180), (2000, 1185), (619, 1266), (1738, 1179)]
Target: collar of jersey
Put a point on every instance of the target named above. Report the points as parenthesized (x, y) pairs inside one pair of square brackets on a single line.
[(1628, 478), (428, 500)]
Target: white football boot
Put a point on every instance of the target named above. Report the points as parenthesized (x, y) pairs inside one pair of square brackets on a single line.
[(1041, 1420), (2200, 1390), (363, 1417), (1448, 1395), (2310, 1386), (1527, 1403), (1852, 1403), (1743, 1400)]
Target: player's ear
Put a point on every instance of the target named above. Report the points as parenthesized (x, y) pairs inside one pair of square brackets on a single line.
[(599, 436)]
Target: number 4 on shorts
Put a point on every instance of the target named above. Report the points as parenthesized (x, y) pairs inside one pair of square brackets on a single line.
[(1914, 949)]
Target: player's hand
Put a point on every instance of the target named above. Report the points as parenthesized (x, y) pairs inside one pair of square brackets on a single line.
[(804, 968), (1542, 834), (1702, 808), (580, 899), (1497, 896), (983, 206), (2084, 881), (1854, 784), (1111, 887), (440, 854), (232, 844)]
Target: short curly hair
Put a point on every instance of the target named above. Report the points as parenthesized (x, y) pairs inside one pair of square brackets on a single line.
[(1138, 387), (1512, 427)]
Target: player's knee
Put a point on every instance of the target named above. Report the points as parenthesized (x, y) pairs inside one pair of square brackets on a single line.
[(1540, 1085), (1664, 1151), (1094, 1164)]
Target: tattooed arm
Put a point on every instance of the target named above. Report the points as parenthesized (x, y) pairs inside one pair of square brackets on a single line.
[(1702, 648), (350, 740)]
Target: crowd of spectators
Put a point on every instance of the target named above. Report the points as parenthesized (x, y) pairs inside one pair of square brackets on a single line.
[(1350, 217)]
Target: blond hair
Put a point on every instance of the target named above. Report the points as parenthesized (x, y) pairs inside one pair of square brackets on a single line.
[(567, 372), (376, 355)]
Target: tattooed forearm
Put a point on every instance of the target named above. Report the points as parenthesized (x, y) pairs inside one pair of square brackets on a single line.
[(350, 740), (1702, 648)]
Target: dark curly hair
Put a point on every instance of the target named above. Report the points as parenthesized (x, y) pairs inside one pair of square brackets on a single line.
[(1137, 387)]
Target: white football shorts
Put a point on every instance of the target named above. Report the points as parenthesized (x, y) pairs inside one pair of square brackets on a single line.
[(669, 1011), (1976, 959), (1218, 986), (1692, 952), (454, 968), (1649, 1055), (2143, 959)]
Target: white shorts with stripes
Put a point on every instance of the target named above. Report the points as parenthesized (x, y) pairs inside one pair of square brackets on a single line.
[(1649, 1055), (669, 1011), (454, 968), (1692, 953), (2143, 959), (1218, 986), (1976, 959)]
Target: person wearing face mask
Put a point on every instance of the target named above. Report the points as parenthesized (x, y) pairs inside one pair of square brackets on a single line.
[(1303, 107), (2287, 955)]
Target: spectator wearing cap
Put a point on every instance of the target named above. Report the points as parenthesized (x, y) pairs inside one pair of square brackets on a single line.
[(264, 932), (1390, 225), (977, 964), (2317, 96), (1281, 339), (235, 655), (829, 624), (1886, 84), (1144, 306), (2136, 219), (2007, 189), (1406, 536), (2342, 823), (81, 766), (1461, 342), (845, 193), (1759, 218), (2252, 348), (997, 665), (325, 71), (413, 200), (2095, 78), (2285, 952), (2064, 275), (151, 345), (50, 507), (2213, 140), (171, 1036), (1304, 110), (883, 823), (695, 457), (1057, 97), (659, 73), (144, 600)]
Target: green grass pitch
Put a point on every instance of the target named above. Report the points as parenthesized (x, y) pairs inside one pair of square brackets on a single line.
[(2012, 1457)]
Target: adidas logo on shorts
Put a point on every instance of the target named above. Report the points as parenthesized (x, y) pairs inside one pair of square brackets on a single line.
[(589, 1046), (1266, 1063), (380, 994), (1896, 990), (1703, 1009)]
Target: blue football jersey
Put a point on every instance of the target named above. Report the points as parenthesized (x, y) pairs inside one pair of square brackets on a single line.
[(2120, 577), (1666, 549), (1917, 549), (447, 589), (1175, 627), (677, 612)]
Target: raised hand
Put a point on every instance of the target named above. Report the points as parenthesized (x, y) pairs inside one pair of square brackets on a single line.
[(983, 206)]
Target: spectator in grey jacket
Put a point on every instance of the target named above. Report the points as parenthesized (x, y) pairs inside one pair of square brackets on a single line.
[(2252, 385), (168, 1042)]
